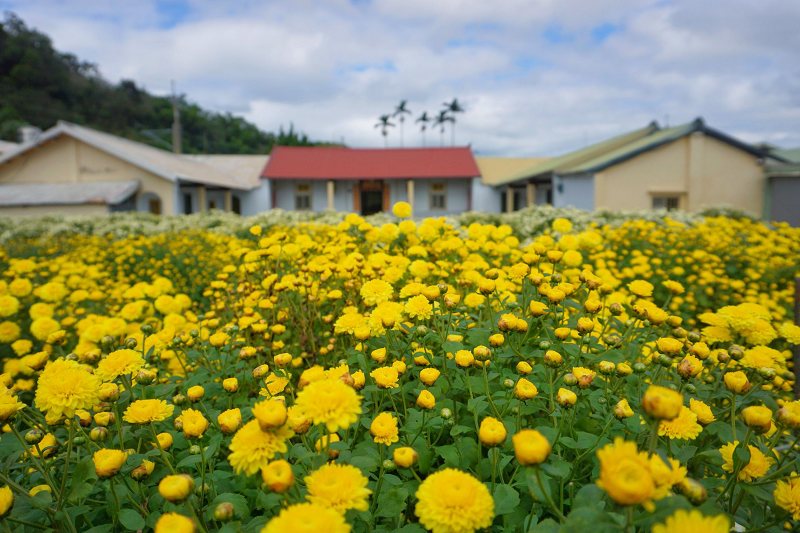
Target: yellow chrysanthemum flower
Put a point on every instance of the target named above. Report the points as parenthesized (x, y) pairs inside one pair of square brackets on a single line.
[(787, 496), (340, 487), (376, 291), (145, 411), (384, 429), (684, 426), (64, 387), (452, 501), (251, 448), (625, 473), (683, 521), (330, 402), (119, 363), (758, 466), (307, 518)]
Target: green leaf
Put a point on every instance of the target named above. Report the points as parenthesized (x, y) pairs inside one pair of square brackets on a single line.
[(82, 480), (391, 503), (189, 461), (741, 456), (238, 501), (450, 455), (557, 467), (131, 520), (506, 499)]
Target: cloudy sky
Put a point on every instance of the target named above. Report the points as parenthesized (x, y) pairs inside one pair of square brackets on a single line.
[(536, 77)]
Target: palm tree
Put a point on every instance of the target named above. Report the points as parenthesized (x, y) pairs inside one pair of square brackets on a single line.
[(441, 119), (424, 119), (400, 111), (384, 123), (453, 107)]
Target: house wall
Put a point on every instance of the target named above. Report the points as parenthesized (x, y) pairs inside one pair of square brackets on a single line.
[(725, 176), (458, 192), (784, 199), (701, 170), (66, 160), (257, 200), (51, 210), (631, 184), (485, 198), (573, 191)]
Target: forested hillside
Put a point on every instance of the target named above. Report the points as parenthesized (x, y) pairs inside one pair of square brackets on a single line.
[(40, 85)]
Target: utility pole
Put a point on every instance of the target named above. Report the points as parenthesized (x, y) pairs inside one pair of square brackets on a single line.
[(176, 122)]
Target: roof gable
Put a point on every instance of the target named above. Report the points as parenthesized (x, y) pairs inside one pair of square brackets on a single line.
[(172, 167), (336, 163), (564, 161)]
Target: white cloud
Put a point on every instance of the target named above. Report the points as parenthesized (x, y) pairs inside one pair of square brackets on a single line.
[(537, 77)]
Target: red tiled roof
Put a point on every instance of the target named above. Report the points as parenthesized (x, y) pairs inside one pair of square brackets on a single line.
[(336, 163)]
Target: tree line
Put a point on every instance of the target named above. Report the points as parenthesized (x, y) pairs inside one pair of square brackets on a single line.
[(40, 86)]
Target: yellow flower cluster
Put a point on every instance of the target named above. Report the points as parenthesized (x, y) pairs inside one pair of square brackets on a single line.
[(378, 374)]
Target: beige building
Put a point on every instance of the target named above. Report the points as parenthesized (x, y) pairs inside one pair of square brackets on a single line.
[(688, 167), (71, 169)]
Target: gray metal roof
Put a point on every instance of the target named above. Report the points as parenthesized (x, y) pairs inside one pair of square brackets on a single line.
[(170, 166), (95, 192)]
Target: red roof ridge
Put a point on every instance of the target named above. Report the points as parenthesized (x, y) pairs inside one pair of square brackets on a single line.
[(345, 163)]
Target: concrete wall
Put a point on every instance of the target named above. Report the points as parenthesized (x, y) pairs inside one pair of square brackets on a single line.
[(700, 170), (66, 160), (256, 200), (485, 198), (784, 199), (45, 210), (574, 191)]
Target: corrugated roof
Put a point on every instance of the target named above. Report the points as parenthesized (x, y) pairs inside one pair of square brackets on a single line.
[(246, 170), (569, 159), (496, 170), (789, 154), (654, 140), (6, 146), (170, 166), (313, 163), (94, 192)]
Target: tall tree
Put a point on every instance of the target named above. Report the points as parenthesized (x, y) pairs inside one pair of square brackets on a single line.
[(441, 120), (423, 119), (453, 108), (400, 111), (384, 123)]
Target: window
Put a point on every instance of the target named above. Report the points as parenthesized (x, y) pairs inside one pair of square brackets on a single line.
[(670, 203), (187, 203), (302, 197), (438, 196), (236, 205)]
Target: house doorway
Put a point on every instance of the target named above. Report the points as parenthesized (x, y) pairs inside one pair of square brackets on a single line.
[(371, 197)]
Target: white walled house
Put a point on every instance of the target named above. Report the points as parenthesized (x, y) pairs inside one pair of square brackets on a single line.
[(435, 181), (75, 170)]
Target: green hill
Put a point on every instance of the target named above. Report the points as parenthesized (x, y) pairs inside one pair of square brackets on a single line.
[(40, 85)]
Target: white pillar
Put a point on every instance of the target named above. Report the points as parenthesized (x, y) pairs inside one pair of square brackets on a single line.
[(228, 200), (410, 192), (331, 193), (202, 206), (509, 199), (531, 194)]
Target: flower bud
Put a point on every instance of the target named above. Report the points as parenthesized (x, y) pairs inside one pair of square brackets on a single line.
[(757, 417), (553, 359), (223, 512), (278, 475), (176, 488), (405, 457), (566, 398), (531, 447), (98, 434), (491, 432)]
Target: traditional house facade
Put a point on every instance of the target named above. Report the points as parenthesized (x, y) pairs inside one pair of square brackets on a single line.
[(71, 169), (688, 167), (436, 181)]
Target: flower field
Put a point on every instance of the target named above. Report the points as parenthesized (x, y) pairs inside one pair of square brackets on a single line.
[(559, 373)]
